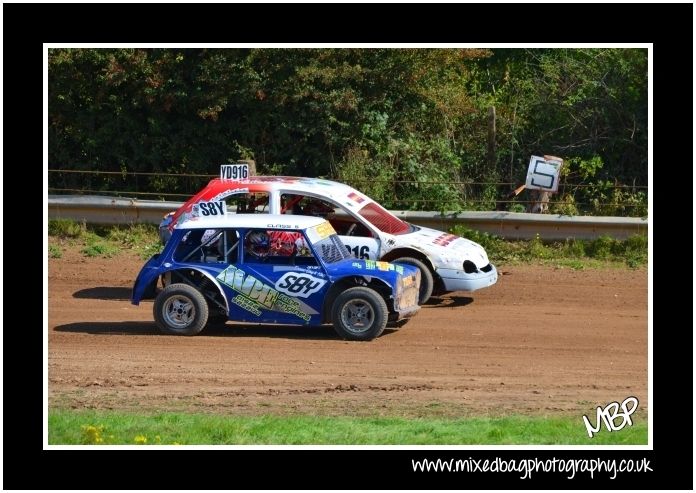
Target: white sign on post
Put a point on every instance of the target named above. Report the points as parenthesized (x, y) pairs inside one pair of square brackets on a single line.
[(233, 172), (543, 173)]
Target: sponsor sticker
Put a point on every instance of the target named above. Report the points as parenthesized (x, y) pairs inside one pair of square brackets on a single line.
[(383, 266), (299, 284), (255, 295), (227, 193), (320, 231), (356, 198), (445, 239)]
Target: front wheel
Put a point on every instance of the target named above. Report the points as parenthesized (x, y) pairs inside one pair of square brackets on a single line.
[(180, 309), (359, 314), (427, 281)]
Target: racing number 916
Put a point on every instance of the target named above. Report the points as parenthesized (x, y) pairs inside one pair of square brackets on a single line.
[(361, 252)]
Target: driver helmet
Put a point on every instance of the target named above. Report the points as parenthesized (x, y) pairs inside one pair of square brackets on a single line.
[(258, 243)]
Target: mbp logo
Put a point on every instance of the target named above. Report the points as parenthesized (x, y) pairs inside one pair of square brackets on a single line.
[(609, 415)]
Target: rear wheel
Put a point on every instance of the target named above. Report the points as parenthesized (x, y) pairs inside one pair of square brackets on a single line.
[(427, 281), (180, 309), (359, 314)]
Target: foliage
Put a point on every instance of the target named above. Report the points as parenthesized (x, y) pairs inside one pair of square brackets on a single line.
[(632, 252), (399, 124), (96, 248), (65, 228), (103, 241), (54, 251)]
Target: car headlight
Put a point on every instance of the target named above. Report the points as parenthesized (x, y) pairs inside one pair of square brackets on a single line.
[(469, 267)]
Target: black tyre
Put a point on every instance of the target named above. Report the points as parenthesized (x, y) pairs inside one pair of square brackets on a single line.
[(359, 314), (180, 309), (427, 281)]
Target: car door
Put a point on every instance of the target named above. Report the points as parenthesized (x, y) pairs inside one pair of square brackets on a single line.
[(276, 286), (362, 247)]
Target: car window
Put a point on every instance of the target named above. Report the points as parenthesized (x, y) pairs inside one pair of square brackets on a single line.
[(208, 246), (248, 203), (277, 247), (331, 249), (343, 223), (384, 220)]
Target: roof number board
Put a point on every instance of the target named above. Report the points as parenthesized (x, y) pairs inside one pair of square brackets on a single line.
[(232, 172)]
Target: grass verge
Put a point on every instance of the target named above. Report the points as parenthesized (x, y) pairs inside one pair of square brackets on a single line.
[(102, 241), (577, 254), (118, 428), (108, 241)]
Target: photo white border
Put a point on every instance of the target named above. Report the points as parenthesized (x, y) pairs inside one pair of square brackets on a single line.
[(649, 47)]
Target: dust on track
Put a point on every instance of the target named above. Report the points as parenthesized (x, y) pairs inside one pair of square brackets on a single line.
[(543, 341)]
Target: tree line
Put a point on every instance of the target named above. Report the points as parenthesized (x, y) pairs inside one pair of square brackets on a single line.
[(409, 127)]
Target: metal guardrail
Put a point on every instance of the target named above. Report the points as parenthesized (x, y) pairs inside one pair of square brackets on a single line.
[(510, 225)]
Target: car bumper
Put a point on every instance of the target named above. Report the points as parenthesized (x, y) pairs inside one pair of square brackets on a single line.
[(401, 315), (458, 280), (408, 312)]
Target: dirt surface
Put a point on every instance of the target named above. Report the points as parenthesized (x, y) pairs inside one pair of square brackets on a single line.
[(542, 341)]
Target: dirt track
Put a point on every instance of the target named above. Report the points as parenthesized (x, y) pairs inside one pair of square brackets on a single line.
[(542, 341)]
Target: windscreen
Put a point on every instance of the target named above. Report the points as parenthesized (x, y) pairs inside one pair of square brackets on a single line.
[(331, 249), (384, 220)]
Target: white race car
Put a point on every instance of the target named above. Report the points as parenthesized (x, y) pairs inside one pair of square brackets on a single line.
[(447, 262)]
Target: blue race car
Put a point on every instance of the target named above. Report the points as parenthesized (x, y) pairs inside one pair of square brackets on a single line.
[(276, 269)]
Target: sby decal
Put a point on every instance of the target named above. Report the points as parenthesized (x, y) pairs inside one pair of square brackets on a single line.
[(212, 208), (255, 295), (299, 284)]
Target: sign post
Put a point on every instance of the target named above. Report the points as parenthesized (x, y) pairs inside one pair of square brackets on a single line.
[(543, 176)]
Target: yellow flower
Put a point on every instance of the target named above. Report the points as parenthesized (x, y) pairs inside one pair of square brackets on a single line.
[(92, 434), (140, 439)]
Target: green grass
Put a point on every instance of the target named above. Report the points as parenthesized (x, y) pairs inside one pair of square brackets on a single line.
[(104, 241), (54, 251), (110, 427), (65, 228), (576, 254)]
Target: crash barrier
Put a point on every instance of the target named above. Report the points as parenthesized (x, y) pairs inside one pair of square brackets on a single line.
[(510, 225)]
